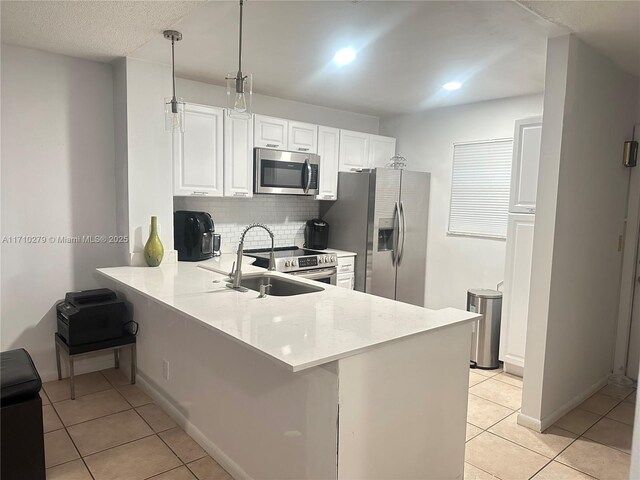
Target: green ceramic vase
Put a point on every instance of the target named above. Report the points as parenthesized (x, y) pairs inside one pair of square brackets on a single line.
[(153, 249)]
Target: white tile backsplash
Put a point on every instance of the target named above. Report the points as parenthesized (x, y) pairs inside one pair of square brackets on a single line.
[(285, 215)]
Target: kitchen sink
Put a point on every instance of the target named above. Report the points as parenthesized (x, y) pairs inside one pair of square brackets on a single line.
[(280, 287)]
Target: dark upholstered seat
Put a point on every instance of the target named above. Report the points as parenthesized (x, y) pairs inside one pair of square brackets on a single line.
[(19, 379), (22, 442)]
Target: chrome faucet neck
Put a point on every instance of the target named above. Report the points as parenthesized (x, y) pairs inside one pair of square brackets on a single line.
[(236, 275)]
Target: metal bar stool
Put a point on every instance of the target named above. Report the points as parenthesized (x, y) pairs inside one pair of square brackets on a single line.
[(115, 344)]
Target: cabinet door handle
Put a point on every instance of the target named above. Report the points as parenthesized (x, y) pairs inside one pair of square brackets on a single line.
[(199, 193), (303, 149), (272, 145), (240, 194)]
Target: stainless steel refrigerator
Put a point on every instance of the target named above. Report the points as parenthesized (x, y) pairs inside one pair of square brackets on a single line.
[(381, 214)]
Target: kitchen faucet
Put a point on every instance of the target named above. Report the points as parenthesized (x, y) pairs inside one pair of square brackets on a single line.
[(236, 271)]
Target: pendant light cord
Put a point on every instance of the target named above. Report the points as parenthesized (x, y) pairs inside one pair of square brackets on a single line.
[(240, 42), (173, 68)]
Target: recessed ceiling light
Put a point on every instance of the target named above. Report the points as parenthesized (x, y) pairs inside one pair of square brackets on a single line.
[(452, 86), (344, 56)]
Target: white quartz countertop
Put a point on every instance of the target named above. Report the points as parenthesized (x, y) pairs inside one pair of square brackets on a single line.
[(339, 253), (299, 331)]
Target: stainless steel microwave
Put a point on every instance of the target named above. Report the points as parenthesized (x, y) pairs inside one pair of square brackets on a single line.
[(287, 173)]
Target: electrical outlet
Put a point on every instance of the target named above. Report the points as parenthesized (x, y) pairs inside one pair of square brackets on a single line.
[(165, 369)]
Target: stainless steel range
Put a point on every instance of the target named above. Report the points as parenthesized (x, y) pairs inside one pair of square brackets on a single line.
[(300, 262)]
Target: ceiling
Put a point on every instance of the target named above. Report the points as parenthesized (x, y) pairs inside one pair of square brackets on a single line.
[(92, 29), (406, 51), (612, 27)]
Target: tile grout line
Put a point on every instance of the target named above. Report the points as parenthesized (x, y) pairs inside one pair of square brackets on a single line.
[(495, 403), (154, 433), (555, 457), (78, 450), (486, 430), (157, 434)]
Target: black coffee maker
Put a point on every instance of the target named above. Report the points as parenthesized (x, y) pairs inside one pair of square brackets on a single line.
[(316, 234), (193, 235)]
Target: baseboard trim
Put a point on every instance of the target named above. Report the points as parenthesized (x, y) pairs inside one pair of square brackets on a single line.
[(542, 424), (529, 422), (149, 387)]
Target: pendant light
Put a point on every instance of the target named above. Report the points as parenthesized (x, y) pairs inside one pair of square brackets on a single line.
[(239, 85), (173, 106)]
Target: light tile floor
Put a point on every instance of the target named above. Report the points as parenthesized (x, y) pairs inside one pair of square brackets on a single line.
[(592, 441), (113, 431)]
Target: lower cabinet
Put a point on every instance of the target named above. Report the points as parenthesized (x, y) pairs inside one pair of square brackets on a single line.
[(346, 269), (515, 303), (346, 280)]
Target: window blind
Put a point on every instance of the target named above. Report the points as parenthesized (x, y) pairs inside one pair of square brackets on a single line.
[(480, 188)]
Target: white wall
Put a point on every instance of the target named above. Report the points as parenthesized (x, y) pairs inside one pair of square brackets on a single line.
[(455, 263), (635, 448), (589, 110), (148, 160), (207, 94), (286, 215), (58, 178)]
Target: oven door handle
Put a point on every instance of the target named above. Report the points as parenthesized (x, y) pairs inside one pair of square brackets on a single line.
[(313, 274), (306, 162)]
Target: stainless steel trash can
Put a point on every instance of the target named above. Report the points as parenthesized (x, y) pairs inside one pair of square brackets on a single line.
[(485, 338)]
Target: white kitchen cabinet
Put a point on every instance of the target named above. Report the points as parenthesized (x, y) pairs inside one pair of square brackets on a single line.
[(346, 271), (303, 137), (198, 153), (329, 151), (524, 170), (238, 157), (515, 305), (381, 149), (345, 280), (346, 263), (271, 132), (354, 150)]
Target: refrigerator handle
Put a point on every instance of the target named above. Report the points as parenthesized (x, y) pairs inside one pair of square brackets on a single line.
[(396, 233), (403, 226)]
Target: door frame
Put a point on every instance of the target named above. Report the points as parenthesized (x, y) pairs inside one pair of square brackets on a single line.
[(629, 268)]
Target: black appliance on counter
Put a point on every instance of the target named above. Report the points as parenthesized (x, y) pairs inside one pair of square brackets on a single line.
[(90, 316), (316, 234), (193, 234)]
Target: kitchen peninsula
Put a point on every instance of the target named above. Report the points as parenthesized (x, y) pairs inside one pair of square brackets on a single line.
[(332, 384)]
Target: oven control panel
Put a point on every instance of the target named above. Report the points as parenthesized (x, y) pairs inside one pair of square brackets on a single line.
[(307, 262)]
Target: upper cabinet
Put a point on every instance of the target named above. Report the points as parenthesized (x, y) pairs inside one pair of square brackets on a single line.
[(354, 150), (198, 153), (303, 137), (238, 157), (381, 149), (526, 160), (329, 150), (271, 132), (214, 156)]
